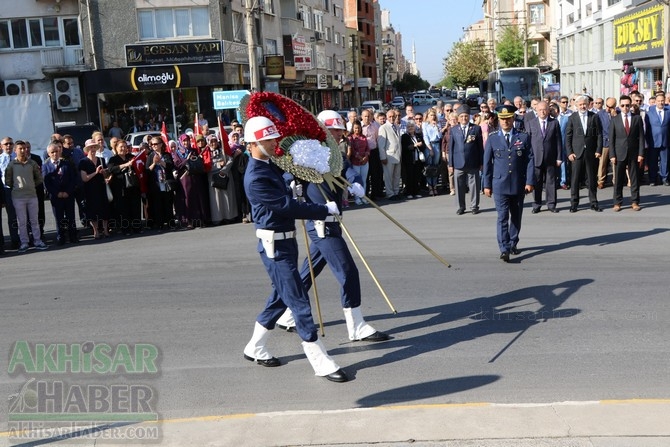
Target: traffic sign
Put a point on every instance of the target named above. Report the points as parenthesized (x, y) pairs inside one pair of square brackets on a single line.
[(229, 99)]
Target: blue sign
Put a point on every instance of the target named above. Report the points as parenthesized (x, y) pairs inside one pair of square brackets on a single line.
[(229, 99)]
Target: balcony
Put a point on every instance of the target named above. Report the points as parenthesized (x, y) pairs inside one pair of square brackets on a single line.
[(62, 59)]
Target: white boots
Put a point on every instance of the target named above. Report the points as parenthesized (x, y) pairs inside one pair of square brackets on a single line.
[(286, 321), (323, 365), (356, 325), (256, 351)]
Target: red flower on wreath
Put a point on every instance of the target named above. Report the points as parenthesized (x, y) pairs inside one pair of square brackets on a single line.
[(290, 117)]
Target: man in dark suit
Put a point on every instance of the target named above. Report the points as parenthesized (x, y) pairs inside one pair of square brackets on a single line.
[(627, 146), (606, 116), (584, 145), (509, 174), (657, 133), (466, 151), (546, 140)]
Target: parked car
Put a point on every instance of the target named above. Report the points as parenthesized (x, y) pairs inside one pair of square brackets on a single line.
[(460, 94), (421, 99), (377, 106), (398, 102), (135, 138)]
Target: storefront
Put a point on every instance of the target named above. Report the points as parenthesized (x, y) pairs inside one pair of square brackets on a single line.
[(638, 43), (169, 82)]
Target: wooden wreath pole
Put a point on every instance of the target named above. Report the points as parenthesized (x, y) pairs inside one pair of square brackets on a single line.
[(360, 255), (344, 183)]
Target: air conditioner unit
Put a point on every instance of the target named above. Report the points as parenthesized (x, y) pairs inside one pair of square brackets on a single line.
[(299, 16), (15, 87), (318, 35), (68, 96)]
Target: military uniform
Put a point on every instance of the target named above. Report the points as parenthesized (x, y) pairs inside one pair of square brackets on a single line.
[(508, 168)]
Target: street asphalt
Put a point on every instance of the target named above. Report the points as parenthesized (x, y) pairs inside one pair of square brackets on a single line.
[(564, 346)]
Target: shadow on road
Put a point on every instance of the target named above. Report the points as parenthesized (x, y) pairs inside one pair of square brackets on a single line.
[(498, 314), (605, 239)]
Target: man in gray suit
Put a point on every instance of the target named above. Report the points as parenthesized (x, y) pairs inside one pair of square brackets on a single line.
[(584, 145), (466, 155), (388, 142), (547, 143), (627, 146)]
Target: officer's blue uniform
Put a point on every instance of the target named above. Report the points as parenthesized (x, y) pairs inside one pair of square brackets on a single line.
[(273, 208), (333, 249), (507, 170)]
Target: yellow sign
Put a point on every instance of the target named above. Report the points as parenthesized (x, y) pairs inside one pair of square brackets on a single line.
[(639, 35)]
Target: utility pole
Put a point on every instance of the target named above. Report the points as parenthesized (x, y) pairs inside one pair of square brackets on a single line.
[(254, 76), (354, 57)]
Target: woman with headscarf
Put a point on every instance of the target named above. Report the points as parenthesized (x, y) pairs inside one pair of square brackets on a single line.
[(191, 200), (222, 202)]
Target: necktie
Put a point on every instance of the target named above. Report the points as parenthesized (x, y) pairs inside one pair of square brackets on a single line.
[(661, 115), (507, 138), (625, 124), (584, 123), (544, 127), (463, 129)]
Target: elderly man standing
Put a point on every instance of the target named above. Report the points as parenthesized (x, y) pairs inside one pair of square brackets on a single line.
[(375, 178), (545, 138), (388, 143), (466, 150), (658, 136), (584, 145)]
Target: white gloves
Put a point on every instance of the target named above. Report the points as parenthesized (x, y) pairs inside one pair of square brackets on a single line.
[(296, 188), (357, 190), (332, 208)]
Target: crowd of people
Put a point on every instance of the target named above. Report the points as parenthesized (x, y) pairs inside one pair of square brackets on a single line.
[(193, 182), (169, 185)]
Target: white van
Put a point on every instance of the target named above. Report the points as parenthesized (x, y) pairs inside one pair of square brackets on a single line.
[(422, 99)]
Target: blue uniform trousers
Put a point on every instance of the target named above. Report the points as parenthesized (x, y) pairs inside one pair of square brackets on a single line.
[(287, 290), (333, 250), (510, 208)]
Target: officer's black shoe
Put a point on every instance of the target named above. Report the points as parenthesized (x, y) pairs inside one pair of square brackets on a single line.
[(514, 250), (535, 210), (286, 328), (338, 376), (460, 211), (504, 256), (377, 336), (573, 209), (270, 363), (596, 208)]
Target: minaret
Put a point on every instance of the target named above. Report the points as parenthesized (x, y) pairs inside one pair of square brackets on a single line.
[(415, 70)]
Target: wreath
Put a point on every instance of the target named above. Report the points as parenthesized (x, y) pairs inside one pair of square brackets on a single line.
[(306, 148)]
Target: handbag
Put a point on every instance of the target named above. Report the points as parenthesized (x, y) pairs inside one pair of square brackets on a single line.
[(220, 180), (422, 158), (110, 196), (195, 165), (130, 179)]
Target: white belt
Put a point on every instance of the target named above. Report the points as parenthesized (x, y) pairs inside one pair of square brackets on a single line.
[(277, 236)]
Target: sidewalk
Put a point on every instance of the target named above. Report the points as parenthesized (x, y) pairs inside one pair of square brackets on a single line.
[(630, 423)]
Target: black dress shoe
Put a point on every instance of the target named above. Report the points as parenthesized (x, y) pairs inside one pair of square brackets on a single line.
[(286, 328), (270, 363), (475, 211), (514, 250), (535, 210), (596, 208), (573, 209), (504, 256), (553, 210), (460, 212), (377, 336), (338, 376)]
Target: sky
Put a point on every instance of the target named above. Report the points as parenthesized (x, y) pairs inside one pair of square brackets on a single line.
[(433, 26)]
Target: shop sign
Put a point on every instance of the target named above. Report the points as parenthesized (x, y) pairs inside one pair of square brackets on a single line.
[(310, 80), (173, 53), (274, 65), (639, 34), (302, 53), (153, 78), (228, 99), (235, 53)]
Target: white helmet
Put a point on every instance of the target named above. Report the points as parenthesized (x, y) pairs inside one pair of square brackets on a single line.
[(260, 128), (332, 120)]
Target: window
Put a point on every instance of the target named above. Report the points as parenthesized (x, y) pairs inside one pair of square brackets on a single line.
[(239, 33), (536, 14), (589, 10), (169, 23), (318, 22), (39, 33), (269, 7), (337, 39), (271, 46), (329, 34), (612, 2), (571, 18)]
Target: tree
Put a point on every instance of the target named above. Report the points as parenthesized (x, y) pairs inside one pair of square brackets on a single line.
[(467, 63), (410, 83), (510, 46)]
